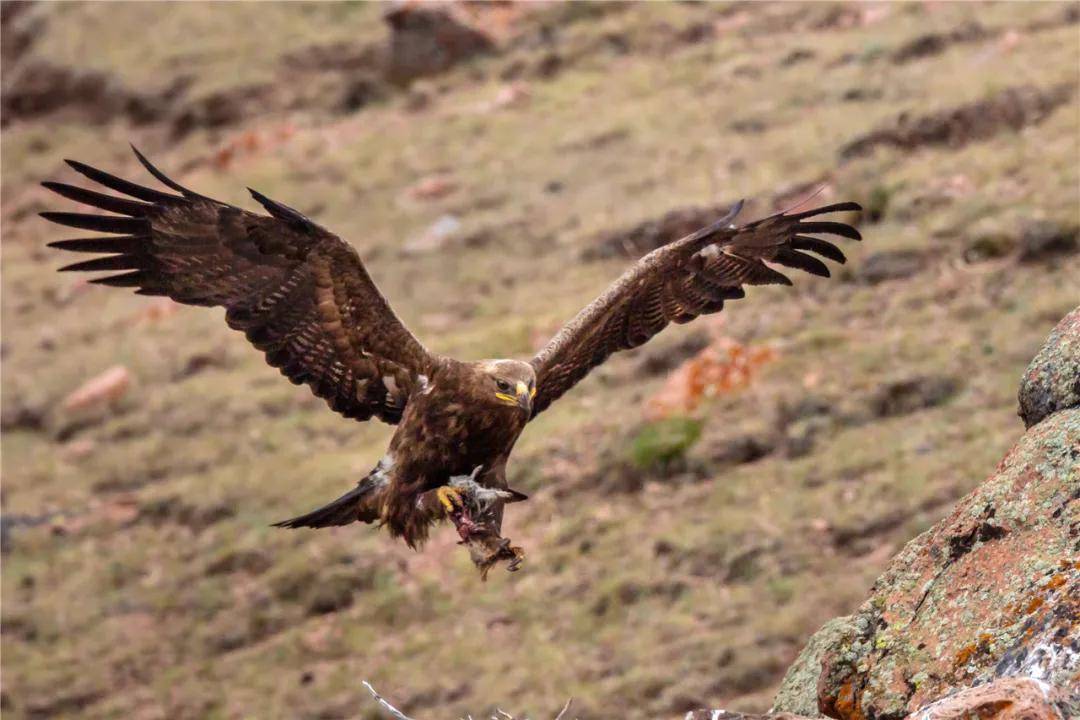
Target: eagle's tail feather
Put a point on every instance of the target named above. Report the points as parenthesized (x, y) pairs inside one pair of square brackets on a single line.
[(353, 506)]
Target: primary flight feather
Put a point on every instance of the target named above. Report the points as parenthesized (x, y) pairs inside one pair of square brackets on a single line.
[(303, 297)]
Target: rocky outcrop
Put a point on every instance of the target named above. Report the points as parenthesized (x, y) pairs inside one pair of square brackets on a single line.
[(426, 39), (1003, 699), (1009, 109), (1052, 380), (980, 615)]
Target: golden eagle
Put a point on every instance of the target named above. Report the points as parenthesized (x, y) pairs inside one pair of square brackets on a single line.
[(302, 296)]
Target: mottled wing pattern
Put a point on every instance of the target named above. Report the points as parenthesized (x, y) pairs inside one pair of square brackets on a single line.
[(676, 283), (299, 293)]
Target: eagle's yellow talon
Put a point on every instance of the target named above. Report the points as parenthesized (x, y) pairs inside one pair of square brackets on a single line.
[(451, 499)]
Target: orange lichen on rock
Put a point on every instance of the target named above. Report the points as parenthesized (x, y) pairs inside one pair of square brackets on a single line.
[(966, 653), (726, 365), (1055, 582), (251, 142), (1035, 604), (846, 704)]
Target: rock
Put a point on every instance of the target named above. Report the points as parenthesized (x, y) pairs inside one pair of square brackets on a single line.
[(798, 691), (174, 508), (21, 24), (331, 594), (1002, 699), (1005, 699), (1045, 239), (435, 237), (909, 395), (651, 234), (797, 56), (222, 108), (989, 246), (514, 94), (77, 450), (548, 66), (427, 39), (936, 43), (359, 91), (1052, 380), (991, 591), (740, 449), (199, 362), (35, 88), (253, 562), (659, 359), (432, 187), (890, 265), (749, 126), (21, 413), (858, 94), (725, 715), (100, 391), (1034, 241), (344, 56), (1010, 109)]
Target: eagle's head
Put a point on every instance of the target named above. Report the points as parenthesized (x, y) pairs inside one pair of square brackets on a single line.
[(509, 382)]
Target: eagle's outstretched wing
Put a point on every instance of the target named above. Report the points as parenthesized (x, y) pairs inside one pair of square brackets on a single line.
[(676, 283), (299, 293)]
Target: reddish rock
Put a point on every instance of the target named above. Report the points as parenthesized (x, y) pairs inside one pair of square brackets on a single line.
[(1005, 699), (101, 390), (993, 590), (432, 187), (725, 715)]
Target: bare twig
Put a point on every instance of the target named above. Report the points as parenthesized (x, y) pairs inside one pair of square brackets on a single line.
[(382, 701), (500, 714)]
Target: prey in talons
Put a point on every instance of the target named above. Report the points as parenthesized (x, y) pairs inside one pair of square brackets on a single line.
[(476, 512)]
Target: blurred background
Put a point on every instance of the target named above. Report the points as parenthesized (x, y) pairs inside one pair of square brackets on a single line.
[(698, 506)]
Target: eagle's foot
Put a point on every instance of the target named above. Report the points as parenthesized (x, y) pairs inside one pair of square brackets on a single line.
[(451, 499), (516, 553), (488, 549)]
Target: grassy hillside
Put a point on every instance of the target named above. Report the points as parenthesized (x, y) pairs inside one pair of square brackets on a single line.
[(141, 578)]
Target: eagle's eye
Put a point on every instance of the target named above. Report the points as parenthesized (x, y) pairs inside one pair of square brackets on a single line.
[(502, 385)]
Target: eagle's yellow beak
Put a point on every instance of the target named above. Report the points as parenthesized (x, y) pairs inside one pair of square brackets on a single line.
[(524, 397)]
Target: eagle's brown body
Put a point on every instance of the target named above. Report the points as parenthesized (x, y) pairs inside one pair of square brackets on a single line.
[(302, 296), (441, 436)]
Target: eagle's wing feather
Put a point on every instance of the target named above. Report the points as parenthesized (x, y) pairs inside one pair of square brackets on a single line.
[(678, 282), (298, 292)]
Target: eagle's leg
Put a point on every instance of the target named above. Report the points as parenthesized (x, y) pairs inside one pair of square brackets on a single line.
[(472, 508), (450, 498), (456, 508)]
